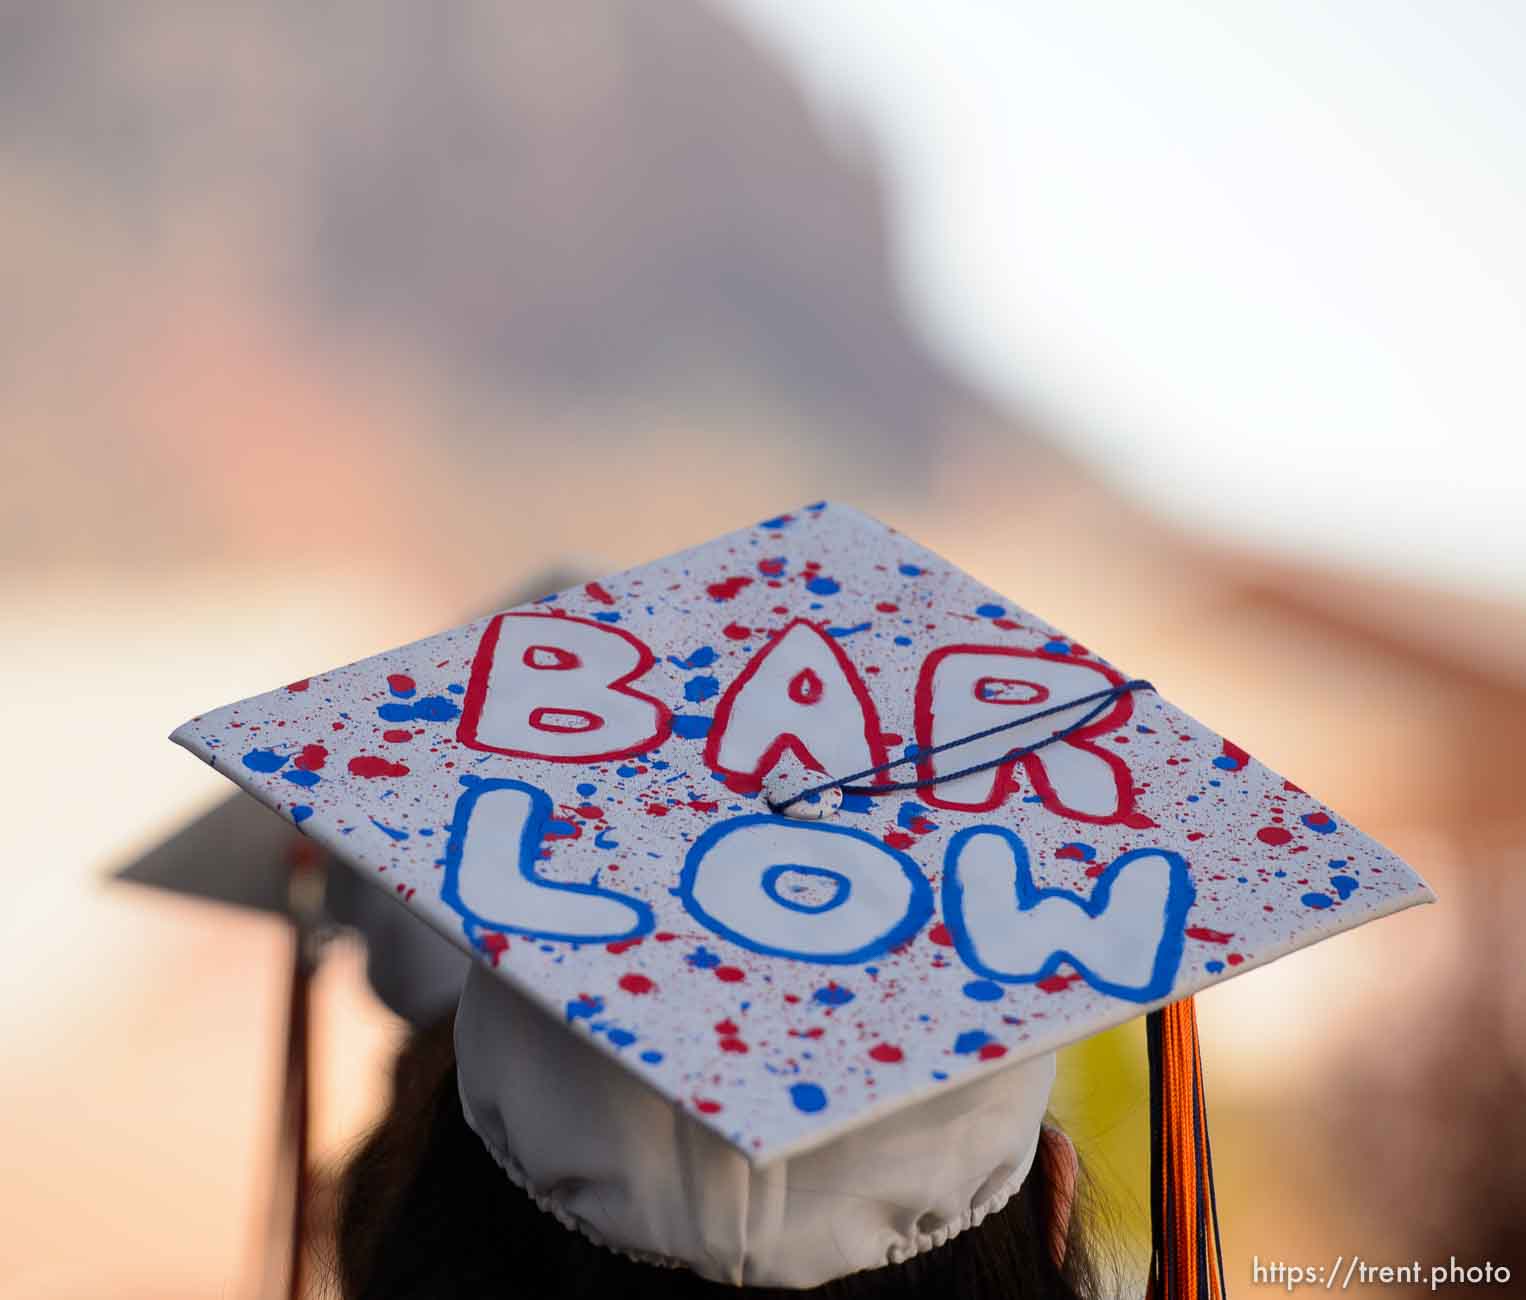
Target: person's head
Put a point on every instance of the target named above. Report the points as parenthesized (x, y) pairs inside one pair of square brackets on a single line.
[(426, 1213)]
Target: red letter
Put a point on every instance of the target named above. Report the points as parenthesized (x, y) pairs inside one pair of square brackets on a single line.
[(967, 688), (800, 693), (558, 688)]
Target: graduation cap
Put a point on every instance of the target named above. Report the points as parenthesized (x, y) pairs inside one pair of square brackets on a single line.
[(788, 863)]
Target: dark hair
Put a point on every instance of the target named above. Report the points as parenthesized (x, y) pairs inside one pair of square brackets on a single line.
[(425, 1214)]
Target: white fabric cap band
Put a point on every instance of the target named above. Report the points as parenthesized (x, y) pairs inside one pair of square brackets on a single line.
[(608, 1156)]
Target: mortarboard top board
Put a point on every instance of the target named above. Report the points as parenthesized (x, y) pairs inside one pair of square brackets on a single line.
[(583, 791)]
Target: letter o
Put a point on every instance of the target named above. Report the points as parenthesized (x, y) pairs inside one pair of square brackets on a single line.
[(728, 884)]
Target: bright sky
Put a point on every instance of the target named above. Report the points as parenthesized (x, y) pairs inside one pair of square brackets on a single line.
[(1262, 262)]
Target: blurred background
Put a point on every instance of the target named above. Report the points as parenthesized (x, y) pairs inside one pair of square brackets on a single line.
[(1196, 330)]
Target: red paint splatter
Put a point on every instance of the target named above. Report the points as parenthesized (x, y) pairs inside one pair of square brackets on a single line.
[(311, 758), (815, 1031), (397, 736), (939, 934), (656, 810), (1208, 936), (1058, 983), (733, 1045), (596, 592), (898, 840), (1274, 835), (637, 984), (299, 686), (495, 945), (727, 1026), (591, 811), (886, 1053), (662, 936), (1005, 623), (401, 683), (370, 765), (707, 1107), (624, 945), (887, 607), (736, 632), (1139, 822), (727, 589), (703, 805), (771, 568), (729, 974)]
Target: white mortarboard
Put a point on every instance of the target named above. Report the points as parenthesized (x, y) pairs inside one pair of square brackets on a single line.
[(780, 1039)]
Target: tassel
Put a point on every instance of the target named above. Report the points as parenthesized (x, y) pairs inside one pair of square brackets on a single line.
[(1186, 1256)]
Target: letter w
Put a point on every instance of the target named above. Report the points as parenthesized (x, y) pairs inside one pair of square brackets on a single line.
[(1125, 940)]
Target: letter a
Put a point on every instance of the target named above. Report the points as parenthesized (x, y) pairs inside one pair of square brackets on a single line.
[(800, 693)]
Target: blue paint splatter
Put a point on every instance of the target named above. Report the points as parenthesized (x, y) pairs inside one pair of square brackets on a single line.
[(990, 611), (389, 830), (608, 616), (972, 1040), (822, 587), (807, 1097), (1213, 967), (1317, 900), (913, 817), (903, 640), (700, 688), (432, 708), (704, 959), (833, 995), (586, 788), (307, 780), (691, 726), (621, 1037), (584, 1008), (652, 1058), (983, 990), (857, 803), (265, 760), (841, 632), (1057, 647), (300, 813), (1345, 886), (911, 570), (701, 658), (1321, 823)]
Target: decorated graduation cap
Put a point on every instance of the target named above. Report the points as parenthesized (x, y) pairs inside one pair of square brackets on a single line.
[(789, 862)]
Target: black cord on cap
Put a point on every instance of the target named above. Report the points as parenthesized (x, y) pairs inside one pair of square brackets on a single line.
[(1103, 699)]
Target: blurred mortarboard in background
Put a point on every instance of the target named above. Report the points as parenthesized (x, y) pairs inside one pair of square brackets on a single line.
[(240, 853)]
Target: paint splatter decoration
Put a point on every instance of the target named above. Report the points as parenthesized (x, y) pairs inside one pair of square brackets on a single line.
[(627, 800)]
